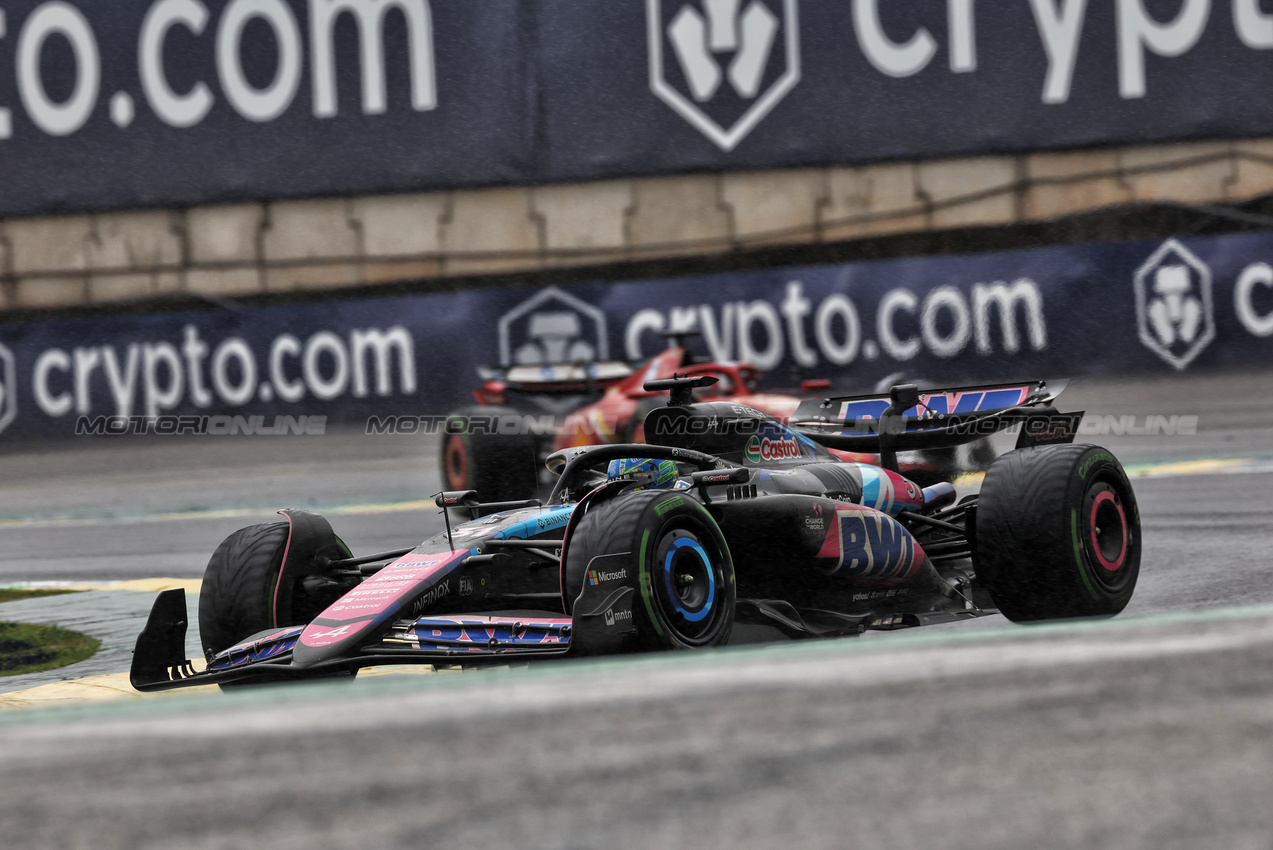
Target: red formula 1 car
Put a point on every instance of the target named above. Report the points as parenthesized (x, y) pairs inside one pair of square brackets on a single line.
[(524, 413)]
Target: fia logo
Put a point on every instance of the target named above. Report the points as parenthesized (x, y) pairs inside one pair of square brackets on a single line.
[(552, 327), (8, 387), (466, 586), (1174, 309), (723, 65)]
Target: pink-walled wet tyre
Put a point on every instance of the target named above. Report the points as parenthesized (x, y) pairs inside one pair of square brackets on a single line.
[(1058, 534), (248, 587)]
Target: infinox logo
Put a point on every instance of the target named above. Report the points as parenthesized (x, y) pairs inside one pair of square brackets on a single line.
[(780, 447), (436, 593)]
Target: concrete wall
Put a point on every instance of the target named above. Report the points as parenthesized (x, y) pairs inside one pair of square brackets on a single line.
[(229, 251)]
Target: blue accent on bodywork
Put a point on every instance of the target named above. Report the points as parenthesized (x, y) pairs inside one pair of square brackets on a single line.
[(250, 653), (475, 634), (879, 491), (538, 524), (939, 403), (870, 486)]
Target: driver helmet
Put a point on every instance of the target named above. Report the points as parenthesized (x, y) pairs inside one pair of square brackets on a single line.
[(664, 471)]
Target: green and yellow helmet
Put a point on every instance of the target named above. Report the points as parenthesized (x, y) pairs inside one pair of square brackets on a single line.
[(664, 471)]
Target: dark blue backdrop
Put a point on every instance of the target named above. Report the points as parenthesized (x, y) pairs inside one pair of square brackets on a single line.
[(1073, 310), (551, 90)]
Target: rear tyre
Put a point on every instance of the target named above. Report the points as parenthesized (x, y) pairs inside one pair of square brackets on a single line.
[(500, 467), (685, 573), (246, 589), (1058, 534)]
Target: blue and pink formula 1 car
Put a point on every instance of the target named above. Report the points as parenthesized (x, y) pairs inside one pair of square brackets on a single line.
[(727, 517)]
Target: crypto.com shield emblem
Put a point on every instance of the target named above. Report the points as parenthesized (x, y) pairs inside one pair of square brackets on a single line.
[(723, 65), (8, 387), (1175, 314), (552, 327)]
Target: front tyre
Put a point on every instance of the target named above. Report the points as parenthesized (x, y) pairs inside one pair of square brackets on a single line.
[(685, 575), (251, 584), (1058, 534)]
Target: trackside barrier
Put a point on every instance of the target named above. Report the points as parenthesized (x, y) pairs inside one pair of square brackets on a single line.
[(162, 103), (1157, 308)]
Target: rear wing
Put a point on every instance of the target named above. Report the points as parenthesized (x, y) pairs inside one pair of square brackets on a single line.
[(908, 419), (558, 377)]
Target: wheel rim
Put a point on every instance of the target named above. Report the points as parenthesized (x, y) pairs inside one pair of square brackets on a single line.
[(687, 583), (1107, 535), (456, 462), (689, 579)]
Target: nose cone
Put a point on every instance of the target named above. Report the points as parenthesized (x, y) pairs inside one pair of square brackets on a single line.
[(362, 613)]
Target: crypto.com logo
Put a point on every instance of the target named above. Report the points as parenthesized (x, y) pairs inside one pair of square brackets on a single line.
[(724, 50), (552, 327), (1174, 309), (8, 387)]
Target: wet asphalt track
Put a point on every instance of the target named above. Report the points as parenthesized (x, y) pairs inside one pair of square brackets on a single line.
[(1153, 730)]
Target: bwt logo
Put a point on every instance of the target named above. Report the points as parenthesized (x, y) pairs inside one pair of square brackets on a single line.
[(552, 327), (8, 388), (1174, 308), (734, 61)]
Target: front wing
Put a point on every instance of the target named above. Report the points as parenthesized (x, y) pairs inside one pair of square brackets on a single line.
[(159, 661)]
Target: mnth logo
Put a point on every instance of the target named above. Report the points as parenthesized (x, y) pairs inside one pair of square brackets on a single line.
[(613, 617), (723, 65), (1175, 313), (8, 387)]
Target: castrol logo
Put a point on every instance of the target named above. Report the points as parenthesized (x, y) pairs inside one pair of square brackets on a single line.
[(764, 449)]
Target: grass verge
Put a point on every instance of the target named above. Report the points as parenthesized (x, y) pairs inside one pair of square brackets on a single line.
[(13, 594), (26, 648)]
